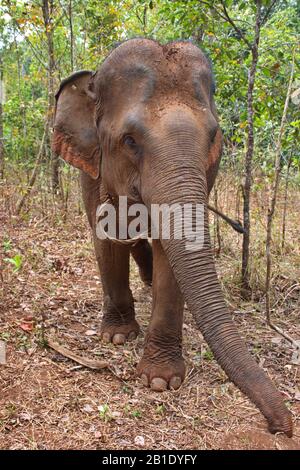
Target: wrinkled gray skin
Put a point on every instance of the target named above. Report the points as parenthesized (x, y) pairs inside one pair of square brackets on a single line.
[(145, 126)]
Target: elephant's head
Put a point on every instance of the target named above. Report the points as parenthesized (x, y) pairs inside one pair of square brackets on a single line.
[(146, 121)]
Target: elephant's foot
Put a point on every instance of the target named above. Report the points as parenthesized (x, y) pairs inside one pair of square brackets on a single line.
[(119, 333), (118, 324), (162, 366)]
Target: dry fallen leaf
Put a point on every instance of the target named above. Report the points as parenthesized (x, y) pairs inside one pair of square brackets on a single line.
[(25, 416), (88, 408), (139, 441), (26, 326), (90, 332)]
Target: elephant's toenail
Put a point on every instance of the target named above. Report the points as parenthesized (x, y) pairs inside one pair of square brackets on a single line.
[(106, 337), (131, 336), (144, 380), (119, 338), (158, 384), (175, 383)]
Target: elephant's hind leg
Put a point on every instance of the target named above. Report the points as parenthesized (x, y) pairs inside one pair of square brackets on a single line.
[(162, 364), (142, 255), (118, 323)]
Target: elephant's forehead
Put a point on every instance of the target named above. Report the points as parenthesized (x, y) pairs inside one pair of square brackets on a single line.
[(176, 65), (149, 47), (174, 55)]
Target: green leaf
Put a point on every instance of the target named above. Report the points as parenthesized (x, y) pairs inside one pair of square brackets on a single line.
[(16, 261)]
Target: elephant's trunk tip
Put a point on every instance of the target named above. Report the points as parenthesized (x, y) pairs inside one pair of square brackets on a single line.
[(285, 425)]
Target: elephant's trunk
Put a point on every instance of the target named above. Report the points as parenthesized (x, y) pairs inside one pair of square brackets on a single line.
[(179, 177)]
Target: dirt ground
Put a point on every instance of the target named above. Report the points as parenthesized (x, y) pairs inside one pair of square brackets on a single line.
[(50, 402)]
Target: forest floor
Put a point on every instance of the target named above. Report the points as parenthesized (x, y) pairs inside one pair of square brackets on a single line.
[(50, 402)]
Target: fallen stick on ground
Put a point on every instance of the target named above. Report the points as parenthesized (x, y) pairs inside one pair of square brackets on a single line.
[(84, 361)]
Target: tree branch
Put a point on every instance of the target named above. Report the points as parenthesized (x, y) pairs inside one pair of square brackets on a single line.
[(227, 18), (267, 12), (37, 54), (238, 30)]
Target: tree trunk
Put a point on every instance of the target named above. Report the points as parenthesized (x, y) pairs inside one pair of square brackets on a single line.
[(48, 12), (249, 155)]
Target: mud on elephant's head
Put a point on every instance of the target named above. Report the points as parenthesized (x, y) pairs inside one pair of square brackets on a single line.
[(146, 121)]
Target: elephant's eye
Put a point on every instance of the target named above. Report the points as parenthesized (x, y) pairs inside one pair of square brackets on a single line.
[(130, 142)]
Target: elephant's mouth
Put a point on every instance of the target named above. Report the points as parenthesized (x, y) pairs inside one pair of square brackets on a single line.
[(116, 220), (124, 221)]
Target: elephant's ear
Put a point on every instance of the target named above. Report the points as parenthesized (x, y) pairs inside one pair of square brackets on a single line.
[(214, 157), (75, 136), (215, 150)]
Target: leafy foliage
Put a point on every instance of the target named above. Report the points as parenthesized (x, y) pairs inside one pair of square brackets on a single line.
[(84, 32)]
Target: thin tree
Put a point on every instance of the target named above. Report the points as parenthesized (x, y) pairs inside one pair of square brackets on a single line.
[(249, 151), (68, 13), (261, 17), (272, 207), (72, 43), (48, 18), (286, 185), (34, 174)]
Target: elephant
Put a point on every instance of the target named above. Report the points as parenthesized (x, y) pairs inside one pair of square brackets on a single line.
[(145, 126)]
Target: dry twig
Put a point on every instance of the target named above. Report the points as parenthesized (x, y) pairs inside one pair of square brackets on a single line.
[(84, 361)]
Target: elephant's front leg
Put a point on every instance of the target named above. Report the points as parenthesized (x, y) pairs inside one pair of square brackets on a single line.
[(118, 323), (162, 364)]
